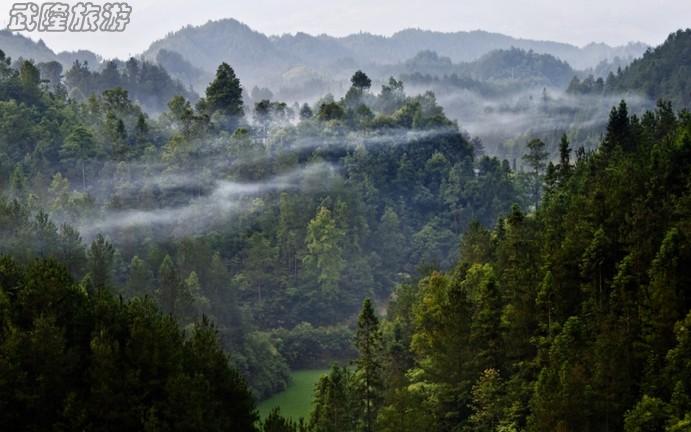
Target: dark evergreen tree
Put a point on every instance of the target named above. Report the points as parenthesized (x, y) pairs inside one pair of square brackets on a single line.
[(361, 81), (368, 372), (224, 94)]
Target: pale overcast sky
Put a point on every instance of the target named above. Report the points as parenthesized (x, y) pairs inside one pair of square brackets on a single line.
[(574, 21)]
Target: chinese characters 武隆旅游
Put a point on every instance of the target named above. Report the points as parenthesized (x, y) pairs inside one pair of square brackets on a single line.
[(60, 17)]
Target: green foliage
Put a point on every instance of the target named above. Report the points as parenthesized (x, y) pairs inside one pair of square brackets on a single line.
[(536, 158), (569, 318), (76, 361), (274, 422), (173, 293), (305, 346), (147, 83), (660, 74), (361, 81), (368, 370), (224, 94), (330, 111), (79, 147), (140, 278), (650, 414), (333, 405), (299, 254), (324, 251), (488, 399), (100, 264)]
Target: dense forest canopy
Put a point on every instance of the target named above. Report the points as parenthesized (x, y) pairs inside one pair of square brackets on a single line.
[(273, 221), (163, 272), (573, 317), (80, 359)]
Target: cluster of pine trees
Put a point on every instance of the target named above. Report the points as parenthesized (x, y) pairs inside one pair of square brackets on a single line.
[(574, 317), (147, 83), (81, 359)]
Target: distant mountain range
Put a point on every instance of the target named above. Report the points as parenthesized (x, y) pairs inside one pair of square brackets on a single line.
[(506, 65), (258, 57), (661, 73), (193, 53), (15, 46)]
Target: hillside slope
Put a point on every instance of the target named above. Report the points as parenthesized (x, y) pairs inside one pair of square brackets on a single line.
[(662, 73)]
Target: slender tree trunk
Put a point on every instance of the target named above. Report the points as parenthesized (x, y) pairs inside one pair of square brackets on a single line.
[(368, 396), (83, 177)]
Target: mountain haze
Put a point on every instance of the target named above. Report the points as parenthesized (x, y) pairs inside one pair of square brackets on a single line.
[(661, 73), (299, 61), (15, 46), (256, 56)]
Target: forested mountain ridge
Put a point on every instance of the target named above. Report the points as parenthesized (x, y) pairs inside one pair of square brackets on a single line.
[(522, 69), (662, 73), (524, 93), (296, 68), (363, 48), (148, 84), (15, 46), (82, 73)]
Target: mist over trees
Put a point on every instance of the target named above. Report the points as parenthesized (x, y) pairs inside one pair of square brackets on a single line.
[(571, 317), (168, 257), (147, 83), (208, 45), (493, 80), (662, 73), (272, 227)]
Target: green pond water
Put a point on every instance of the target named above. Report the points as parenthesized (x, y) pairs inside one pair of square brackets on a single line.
[(296, 400)]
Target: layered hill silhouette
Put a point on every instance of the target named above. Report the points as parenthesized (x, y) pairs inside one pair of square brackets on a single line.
[(259, 57), (322, 62)]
